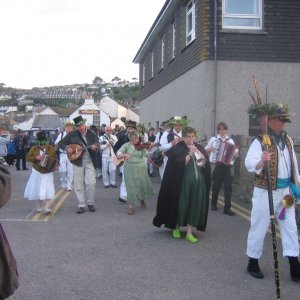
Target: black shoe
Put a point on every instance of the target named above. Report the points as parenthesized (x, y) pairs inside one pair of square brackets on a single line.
[(106, 186), (122, 200), (253, 268), (113, 186), (229, 212), (80, 210), (91, 208), (214, 207), (294, 268), (151, 175), (25, 169), (18, 169)]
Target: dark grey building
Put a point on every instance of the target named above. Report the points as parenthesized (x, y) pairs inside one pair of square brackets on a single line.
[(199, 57)]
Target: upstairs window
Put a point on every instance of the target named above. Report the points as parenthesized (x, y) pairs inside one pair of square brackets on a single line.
[(190, 22), (173, 39), (162, 63), (246, 14), (143, 74), (152, 64)]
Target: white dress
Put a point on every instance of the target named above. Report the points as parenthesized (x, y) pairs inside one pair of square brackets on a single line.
[(40, 186)]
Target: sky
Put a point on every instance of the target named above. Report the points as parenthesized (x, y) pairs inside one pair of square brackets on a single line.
[(63, 42)]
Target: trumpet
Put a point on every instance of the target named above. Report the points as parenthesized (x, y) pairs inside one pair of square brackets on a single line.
[(198, 157)]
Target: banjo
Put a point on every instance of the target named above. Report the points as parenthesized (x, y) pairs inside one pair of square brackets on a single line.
[(77, 151)]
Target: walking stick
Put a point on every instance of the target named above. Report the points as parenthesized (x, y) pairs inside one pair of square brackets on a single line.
[(266, 145)]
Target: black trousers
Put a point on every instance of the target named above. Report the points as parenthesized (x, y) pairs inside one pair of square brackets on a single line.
[(221, 174), (21, 155)]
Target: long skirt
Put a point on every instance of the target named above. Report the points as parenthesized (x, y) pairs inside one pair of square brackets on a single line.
[(192, 201), (40, 186), (137, 181)]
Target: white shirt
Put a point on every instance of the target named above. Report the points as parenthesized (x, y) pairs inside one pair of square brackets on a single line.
[(107, 151), (215, 142), (164, 144), (59, 138), (284, 161)]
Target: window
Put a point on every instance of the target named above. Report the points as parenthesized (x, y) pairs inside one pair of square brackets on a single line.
[(96, 120), (162, 64), (152, 63), (143, 74), (190, 22), (246, 14), (173, 40)]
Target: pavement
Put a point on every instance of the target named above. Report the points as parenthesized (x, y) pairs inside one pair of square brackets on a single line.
[(108, 255)]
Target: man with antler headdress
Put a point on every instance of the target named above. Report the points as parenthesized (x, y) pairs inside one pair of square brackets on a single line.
[(276, 178)]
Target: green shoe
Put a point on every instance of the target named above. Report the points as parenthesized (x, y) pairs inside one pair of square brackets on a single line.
[(176, 234), (191, 238)]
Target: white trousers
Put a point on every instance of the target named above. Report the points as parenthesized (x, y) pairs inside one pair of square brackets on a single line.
[(84, 184), (123, 191), (108, 171), (65, 171), (260, 220)]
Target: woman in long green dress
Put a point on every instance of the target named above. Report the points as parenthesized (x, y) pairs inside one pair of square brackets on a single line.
[(183, 197), (137, 181)]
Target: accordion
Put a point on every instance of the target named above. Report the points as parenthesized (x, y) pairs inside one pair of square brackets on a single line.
[(225, 153), (48, 162)]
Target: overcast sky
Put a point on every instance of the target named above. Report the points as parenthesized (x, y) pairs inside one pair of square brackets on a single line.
[(61, 42)]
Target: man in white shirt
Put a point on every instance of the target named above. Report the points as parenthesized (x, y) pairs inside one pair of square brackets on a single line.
[(158, 136), (107, 141), (170, 138), (65, 166), (221, 173), (283, 174)]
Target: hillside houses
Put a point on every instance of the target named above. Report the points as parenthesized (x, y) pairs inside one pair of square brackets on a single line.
[(108, 111)]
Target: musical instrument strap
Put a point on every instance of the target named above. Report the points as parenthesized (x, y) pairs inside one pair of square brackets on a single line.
[(82, 139)]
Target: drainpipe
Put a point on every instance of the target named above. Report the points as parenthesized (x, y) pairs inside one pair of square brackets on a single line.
[(214, 111)]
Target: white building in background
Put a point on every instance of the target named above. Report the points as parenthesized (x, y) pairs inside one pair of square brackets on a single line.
[(117, 111), (29, 108), (93, 114), (24, 126)]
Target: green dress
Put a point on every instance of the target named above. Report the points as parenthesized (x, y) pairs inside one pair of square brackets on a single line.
[(192, 201), (137, 181)]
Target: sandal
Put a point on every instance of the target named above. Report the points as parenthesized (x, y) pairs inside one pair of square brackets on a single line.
[(191, 238), (130, 211), (143, 204)]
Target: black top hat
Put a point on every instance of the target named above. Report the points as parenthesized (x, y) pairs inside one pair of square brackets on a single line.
[(78, 121)]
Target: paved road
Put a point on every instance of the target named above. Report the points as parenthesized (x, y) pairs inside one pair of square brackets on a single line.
[(109, 255)]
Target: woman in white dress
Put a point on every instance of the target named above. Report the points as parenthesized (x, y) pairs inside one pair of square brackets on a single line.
[(40, 185)]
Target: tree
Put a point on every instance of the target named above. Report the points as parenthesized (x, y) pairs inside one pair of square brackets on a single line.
[(98, 80), (116, 78)]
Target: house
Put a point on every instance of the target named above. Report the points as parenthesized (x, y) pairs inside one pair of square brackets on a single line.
[(118, 110), (64, 113), (199, 58), (47, 120), (93, 114)]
